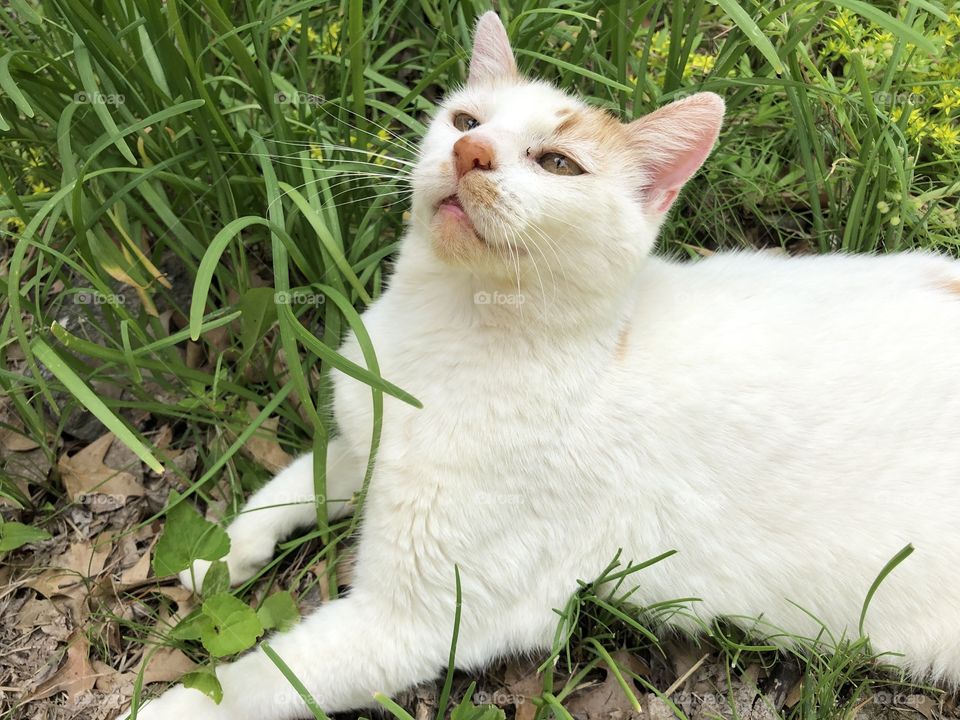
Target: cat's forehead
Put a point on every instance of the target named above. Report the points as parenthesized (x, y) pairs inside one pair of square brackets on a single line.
[(534, 106)]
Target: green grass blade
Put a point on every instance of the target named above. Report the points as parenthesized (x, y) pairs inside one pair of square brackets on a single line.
[(92, 402)]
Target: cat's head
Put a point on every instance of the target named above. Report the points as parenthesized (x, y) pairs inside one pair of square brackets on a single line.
[(516, 177)]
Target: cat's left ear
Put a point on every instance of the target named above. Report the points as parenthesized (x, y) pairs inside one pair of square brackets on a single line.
[(670, 144), (492, 57)]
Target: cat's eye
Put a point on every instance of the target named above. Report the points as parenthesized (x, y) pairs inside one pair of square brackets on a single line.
[(464, 122), (559, 164)]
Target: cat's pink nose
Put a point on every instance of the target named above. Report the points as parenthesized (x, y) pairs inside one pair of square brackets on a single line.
[(472, 153)]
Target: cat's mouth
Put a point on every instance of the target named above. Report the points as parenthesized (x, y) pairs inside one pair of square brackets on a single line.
[(453, 208)]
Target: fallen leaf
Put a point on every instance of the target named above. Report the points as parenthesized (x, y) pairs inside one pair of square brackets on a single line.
[(165, 665), (16, 442), (606, 700), (82, 560), (139, 571), (77, 675), (523, 684), (263, 447), (85, 476)]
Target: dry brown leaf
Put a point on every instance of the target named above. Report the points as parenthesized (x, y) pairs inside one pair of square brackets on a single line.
[(165, 665), (85, 475), (523, 684), (263, 447), (83, 559), (163, 437), (140, 570), (23, 468), (16, 442), (77, 675), (606, 700)]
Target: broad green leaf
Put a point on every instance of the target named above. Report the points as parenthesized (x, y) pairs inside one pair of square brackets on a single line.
[(217, 579), (14, 535), (187, 537), (205, 681), (279, 611), (232, 626), (191, 627)]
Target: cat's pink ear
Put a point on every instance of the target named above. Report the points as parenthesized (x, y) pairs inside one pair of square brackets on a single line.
[(671, 143), (492, 57)]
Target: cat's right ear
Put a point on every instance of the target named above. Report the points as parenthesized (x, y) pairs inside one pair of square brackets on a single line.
[(492, 58)]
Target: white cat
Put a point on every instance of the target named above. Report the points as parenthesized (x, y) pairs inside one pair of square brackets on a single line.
[(787, 425)]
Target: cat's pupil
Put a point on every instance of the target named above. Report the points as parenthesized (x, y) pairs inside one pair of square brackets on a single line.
[(559, 164), (464, 122)]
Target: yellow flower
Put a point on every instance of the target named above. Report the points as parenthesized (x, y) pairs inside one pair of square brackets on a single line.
[(14, 224), (836, 47), (916, 124), (846, 22), (40, 187), (36, 158), (700, 64), (331, 38), (316, 152), (949, 101), (312, 35), (946, 135)]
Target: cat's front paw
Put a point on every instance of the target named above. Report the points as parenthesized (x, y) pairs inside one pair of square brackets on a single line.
[(181, 703)]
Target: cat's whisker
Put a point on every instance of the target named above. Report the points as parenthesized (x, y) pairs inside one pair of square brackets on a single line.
[(402, 197), (536, 266), (279, 160), (399, 139), (339, 183)]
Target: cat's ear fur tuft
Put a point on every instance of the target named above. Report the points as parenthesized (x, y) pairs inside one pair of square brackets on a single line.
[(671, 143), (492, 58)]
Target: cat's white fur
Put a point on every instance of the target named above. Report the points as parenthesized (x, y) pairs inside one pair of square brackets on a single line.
[(787, 425)]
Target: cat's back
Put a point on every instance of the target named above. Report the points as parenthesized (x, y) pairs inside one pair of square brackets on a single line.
[(842, 366), (743, 311), (833, 379)]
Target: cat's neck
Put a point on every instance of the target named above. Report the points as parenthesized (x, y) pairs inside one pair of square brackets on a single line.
[(546, 306)]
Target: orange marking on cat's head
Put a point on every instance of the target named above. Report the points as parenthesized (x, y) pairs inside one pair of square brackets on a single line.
[(591, 124)]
